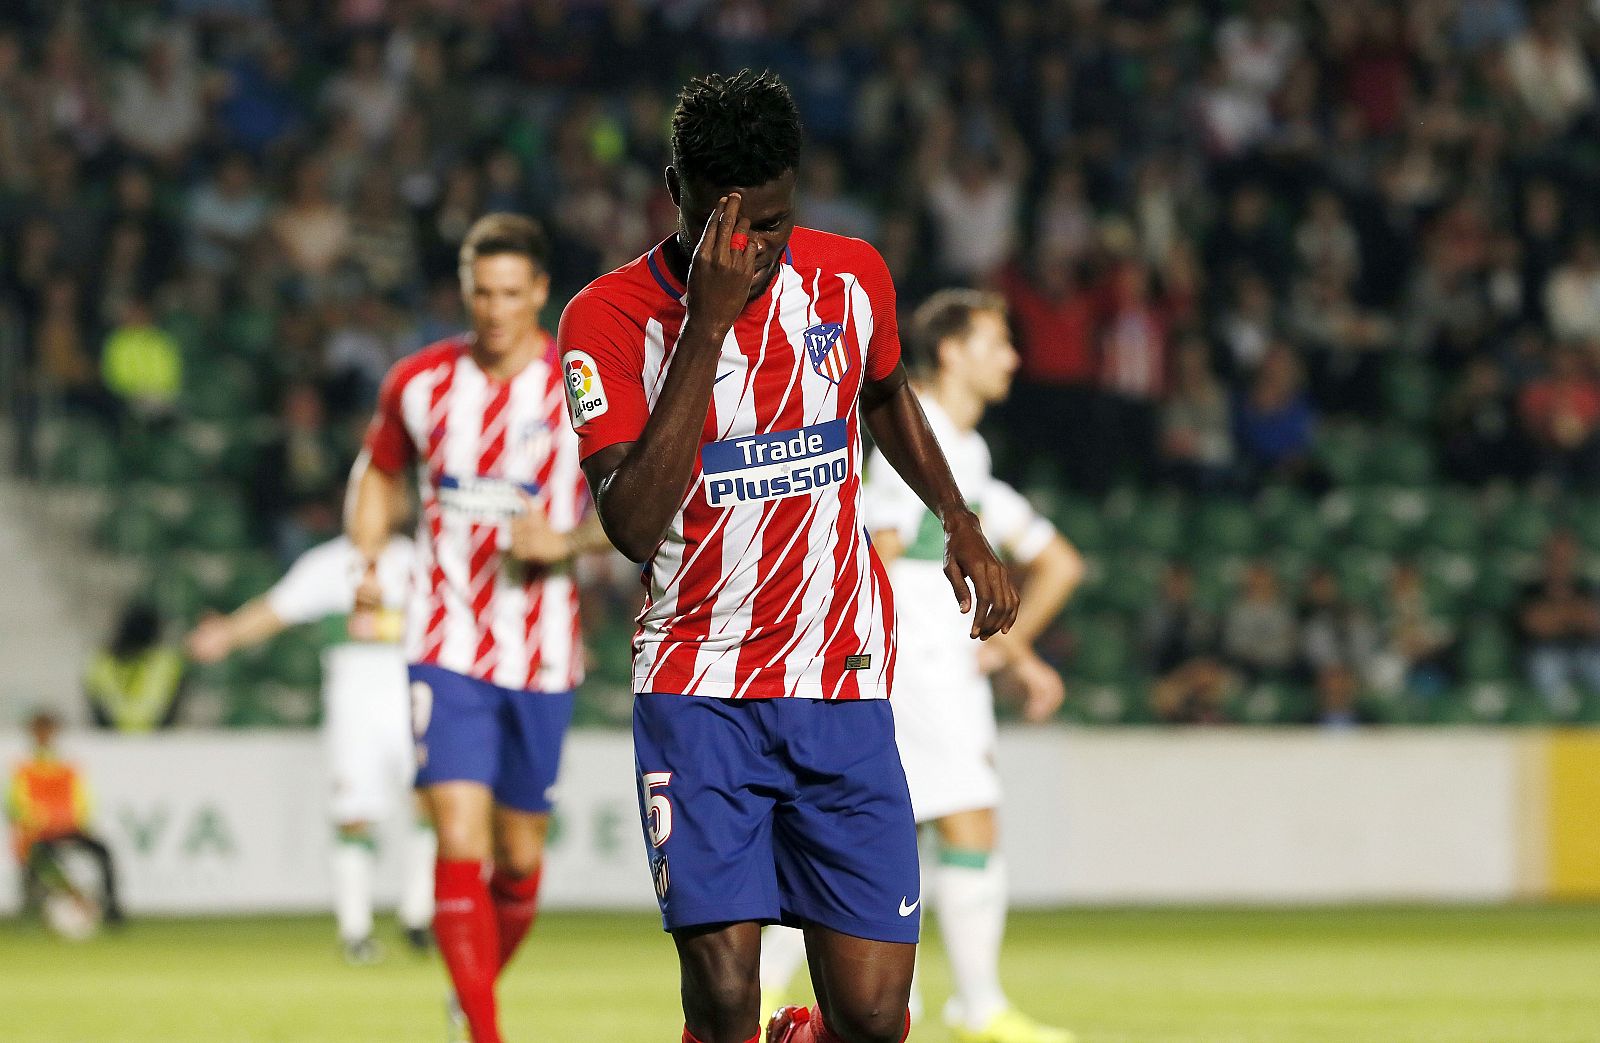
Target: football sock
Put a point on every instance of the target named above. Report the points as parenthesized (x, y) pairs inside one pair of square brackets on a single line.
[(353, 860), (416, 885), (689, 1037), (914, 1001), (970, 897), (516, 903), (783, 953), (464, 928)]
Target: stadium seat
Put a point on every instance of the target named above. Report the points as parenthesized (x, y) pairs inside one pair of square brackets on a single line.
[(134, 527), (1273, 702), (1342, 451), (1157, 526), (294, 659), (1452, 523), (1486, 652), (246, 576), (1363, 574), (1522, 525), (1409, 392), (248, 332), (1082, 523), (220, 390), (1227, 527), (1501, 575), (176, 592), (1103, 646), (1403, 460), (170, 459), (1292, 522), (82, 454), (218, 522), (1129, 582), (1374, 526)]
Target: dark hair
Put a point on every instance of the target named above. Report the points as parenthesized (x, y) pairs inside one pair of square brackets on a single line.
[(139, 629), (946, 314), (742, 129), (504, 233)]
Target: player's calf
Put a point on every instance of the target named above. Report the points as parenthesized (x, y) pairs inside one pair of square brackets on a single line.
[(721, 987)]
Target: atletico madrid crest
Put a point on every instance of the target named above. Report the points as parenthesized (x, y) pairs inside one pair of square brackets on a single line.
[(826, 349)]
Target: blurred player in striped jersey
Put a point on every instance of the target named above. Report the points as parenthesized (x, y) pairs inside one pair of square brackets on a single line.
[(366, 717), (492, 629), (719, 384), (944, 706)]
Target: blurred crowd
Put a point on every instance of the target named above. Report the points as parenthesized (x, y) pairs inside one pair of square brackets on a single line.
[(1223, 226)]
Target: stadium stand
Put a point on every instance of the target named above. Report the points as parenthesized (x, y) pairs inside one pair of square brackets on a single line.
[(1376, 220)]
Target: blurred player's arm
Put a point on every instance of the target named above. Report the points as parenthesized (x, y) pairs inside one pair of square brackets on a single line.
[(536, 541), (216, 637), (898, 425), (638, 485), (376, 498)]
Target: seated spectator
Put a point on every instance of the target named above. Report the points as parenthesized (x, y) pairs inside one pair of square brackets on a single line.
[(828, 205), (1417, 641), (1548, 68), (1572, 296), (1561, 416), (1559, 620), (1274, 422), (1342, 341), (158, 109), (1478, 427), (1249, 326), (135, 684), (312, 232), (1180, 640), (1133, 366), (1338, 642), (47, 804), (299, 476), (1259, 636), (225, 214), (1196, 425)]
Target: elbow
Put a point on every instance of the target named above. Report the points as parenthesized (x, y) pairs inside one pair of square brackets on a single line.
[(634, 545)]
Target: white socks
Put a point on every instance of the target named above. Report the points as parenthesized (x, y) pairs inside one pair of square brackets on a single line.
[(353, 860), (416, 883), (969, 890), (783, 954)]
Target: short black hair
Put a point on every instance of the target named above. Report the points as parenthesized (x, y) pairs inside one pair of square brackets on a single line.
[(505, 233), (742, 129), (946, 314)]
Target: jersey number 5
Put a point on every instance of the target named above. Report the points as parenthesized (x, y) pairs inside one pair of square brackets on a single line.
[(658, 809)]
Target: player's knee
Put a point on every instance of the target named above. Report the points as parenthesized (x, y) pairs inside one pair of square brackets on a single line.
[(870, 1019), (722, 981), (517, 862), (462, 841)]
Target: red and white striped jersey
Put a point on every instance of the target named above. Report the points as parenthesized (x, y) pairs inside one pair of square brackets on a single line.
[(479, 445), (765, 584)]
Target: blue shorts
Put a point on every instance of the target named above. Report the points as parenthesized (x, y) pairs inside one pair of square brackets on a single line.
[(469, 730), (779, 811)]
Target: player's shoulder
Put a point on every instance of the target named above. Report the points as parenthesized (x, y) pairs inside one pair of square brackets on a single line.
[(831, 252), (337, 552), (439, 353)]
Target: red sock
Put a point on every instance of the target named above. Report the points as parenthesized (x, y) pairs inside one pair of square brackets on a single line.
[(688, 1037), (516, 904), (464, 928)]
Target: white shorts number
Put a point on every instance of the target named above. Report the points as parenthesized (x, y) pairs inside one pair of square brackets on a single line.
[(658, 808)]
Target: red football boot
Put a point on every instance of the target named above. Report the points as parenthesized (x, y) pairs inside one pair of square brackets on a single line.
[(786, 1024)]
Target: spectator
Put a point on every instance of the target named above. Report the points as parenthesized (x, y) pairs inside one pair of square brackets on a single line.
[(158, 106), (1417, 640), (1274, 422), (299, 476), (1479, 430), (224, 215), (1559, 620), (1190, 681), (1259, 636), (1342, 342), (1197, 423), (1572, 296), (365, 92), (1249, 325), (1549, 70), (1561, 415), (66, 369), (311, 231), (135, 684), (1133, 363), (47, 804), (973, 200), (825, 202), (1338, 644)]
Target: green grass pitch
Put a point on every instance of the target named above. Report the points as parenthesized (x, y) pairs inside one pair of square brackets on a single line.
[(1362, 975)]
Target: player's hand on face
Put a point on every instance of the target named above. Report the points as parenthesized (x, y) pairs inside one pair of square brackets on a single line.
[(1042, 689), (209, 642), (992, 597), (720, 277), (533, 539)]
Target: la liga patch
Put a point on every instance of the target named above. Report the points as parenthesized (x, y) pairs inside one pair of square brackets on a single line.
[(586, 396)]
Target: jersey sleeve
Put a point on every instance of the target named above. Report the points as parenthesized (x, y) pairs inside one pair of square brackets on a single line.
[(1012, 525), (602, 365), (888, 503), (388, 443), (883, 350), (315, 586)]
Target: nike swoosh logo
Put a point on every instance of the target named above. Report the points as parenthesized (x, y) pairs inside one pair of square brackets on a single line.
[(721, 378), (907, 910)]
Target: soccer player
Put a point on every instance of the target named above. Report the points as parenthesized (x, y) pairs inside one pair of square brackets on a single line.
[(492, 629), (718, 385), (366, 718), (944, 719)]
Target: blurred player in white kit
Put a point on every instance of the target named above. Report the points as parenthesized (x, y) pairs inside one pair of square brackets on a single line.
[(366, 710), (944, 706)]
